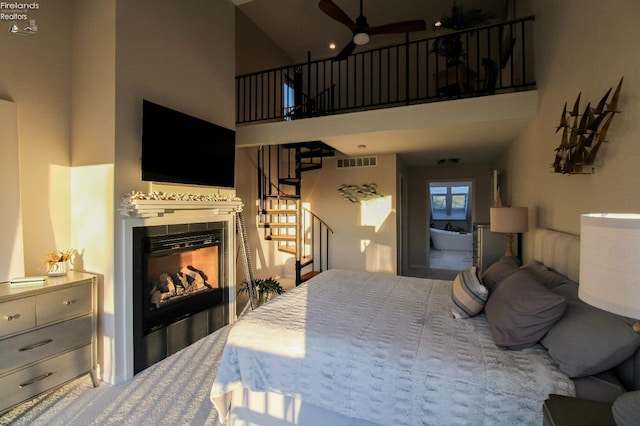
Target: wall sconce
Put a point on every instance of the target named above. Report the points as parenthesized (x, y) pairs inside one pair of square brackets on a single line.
[(30, 29)]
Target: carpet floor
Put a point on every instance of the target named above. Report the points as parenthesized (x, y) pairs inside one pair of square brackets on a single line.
[(174, 391)]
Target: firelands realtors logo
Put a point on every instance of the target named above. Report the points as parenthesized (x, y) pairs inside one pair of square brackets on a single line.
[(18, 15)]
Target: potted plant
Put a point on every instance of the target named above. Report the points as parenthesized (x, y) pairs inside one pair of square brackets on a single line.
[(456, 75), (57, 262), (451, 47), (265, 288)]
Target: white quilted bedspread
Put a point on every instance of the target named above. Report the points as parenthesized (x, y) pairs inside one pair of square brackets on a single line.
[(386, 349)]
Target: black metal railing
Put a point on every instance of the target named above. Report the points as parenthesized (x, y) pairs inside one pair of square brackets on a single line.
[(494, 58), (295, 229)]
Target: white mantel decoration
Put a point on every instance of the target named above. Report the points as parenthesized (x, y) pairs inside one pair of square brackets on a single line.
[(156, 204)]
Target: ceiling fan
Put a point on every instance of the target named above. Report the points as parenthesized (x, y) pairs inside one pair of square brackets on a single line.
[(361, 29)]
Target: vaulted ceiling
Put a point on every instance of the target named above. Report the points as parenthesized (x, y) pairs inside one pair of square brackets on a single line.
[(300, 28)]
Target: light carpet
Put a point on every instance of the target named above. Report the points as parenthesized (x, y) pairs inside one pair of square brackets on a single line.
[(174, 391)]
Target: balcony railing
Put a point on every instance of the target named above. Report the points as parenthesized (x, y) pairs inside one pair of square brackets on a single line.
[(493, 59)]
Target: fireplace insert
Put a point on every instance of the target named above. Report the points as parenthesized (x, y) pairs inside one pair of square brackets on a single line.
[(180, 287)]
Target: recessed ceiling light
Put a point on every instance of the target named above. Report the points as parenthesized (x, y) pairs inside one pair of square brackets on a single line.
[(332, 46), (362, 146)]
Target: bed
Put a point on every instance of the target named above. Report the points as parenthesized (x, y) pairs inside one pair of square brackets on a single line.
[(359, 348)]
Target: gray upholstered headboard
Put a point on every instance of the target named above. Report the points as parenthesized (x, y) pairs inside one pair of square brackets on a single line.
[(559, 251)]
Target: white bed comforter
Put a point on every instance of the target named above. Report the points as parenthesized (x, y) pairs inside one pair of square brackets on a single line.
[(385, 349)]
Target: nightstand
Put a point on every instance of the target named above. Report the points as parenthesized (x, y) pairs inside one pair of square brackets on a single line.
[(561, 410)]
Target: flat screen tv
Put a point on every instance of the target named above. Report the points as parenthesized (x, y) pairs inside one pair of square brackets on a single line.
[(178, 148)]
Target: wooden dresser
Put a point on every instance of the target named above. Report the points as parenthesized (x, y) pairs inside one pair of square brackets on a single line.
[(47, 336)]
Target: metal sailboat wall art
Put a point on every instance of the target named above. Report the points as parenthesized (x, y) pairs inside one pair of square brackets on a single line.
[(584, 133)]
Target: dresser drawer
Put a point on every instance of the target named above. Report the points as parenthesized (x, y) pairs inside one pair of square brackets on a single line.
[(61, 304), (30, 347), (17, 315), (31, 381)]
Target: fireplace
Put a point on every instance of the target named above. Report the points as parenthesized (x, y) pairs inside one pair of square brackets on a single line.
[(180, 287)]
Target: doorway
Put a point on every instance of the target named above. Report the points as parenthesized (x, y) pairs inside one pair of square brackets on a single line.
[(450, 219)]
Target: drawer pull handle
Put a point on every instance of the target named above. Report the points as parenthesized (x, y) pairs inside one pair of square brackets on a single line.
[(11, 317), (35, 379), (68, 302), (35, 345)]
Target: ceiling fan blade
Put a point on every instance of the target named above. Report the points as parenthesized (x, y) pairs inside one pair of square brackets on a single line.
[(399, 27), (332, 9), (346, 51)]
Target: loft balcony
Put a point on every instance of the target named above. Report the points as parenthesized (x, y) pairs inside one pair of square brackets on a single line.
[(485, 61)]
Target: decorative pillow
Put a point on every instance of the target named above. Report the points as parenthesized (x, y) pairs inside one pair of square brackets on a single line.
[(568, 290), (520, 310), (468, 294), (495, 273), (588, 340), (549, 278)]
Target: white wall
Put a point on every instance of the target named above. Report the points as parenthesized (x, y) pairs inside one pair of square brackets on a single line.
[(92, 148), (35, 73), (254, 50), (79, 84), (365, 236), (580, 47), (12, 247), (178, 54)]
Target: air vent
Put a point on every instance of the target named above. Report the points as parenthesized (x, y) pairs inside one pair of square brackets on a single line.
[(342, 163)]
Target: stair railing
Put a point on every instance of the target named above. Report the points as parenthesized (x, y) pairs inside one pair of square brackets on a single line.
[(312, 234), (318, 239), (498, 58)]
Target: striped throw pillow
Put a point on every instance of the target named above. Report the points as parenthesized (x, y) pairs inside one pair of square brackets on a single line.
[(468, 294)]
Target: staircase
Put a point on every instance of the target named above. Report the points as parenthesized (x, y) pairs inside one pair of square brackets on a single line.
[(295, 229)]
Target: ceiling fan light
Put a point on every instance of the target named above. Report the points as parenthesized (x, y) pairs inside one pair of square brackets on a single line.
[(361, 38)]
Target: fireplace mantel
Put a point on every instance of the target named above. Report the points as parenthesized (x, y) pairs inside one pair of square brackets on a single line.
[(142, 210), (163, 204)]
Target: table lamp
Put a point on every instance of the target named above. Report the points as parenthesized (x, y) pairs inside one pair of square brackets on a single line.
[(609, 271), (509, 220)]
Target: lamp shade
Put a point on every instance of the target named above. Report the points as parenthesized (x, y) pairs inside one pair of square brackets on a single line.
[(509, 220), (361, 38), (610, 262)]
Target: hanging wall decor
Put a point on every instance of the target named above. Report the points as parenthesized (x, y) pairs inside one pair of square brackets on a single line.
[(583, 134), (359, 193)]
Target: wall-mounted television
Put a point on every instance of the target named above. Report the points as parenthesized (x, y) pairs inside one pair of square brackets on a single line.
[(178, 148)]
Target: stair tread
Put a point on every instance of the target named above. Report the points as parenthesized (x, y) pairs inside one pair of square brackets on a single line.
[(283, 196), (308, 275), (288, 249), (276, 225), (290, 180), (280, 211), (310, 166), (280, 237)]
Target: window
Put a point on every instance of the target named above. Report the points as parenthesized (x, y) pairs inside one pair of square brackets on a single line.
[(449, 201), (288, 99)]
